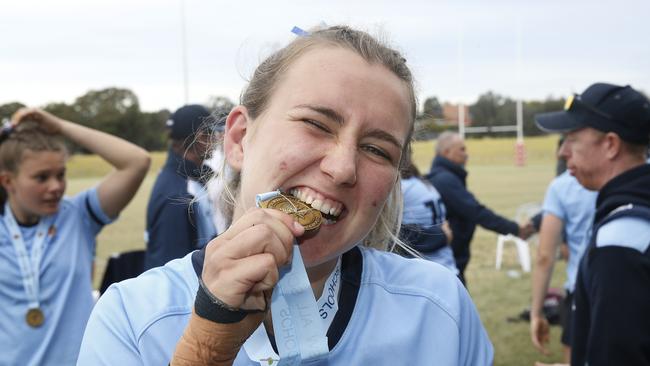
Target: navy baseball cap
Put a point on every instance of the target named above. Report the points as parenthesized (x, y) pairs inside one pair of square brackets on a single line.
[(190, 119), (605, 107)]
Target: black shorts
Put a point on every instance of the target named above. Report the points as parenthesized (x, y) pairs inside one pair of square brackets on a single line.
[(565, 318)]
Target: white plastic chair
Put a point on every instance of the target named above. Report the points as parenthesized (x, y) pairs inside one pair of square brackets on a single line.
[(523, 214), (523, 252)]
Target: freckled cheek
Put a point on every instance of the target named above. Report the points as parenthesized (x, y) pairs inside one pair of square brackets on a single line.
[(382, 185), (290, 159)]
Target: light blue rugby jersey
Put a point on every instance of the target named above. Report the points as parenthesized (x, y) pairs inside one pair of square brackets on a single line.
[(423, 207), (575, 206), (65, 287), (392, 311)]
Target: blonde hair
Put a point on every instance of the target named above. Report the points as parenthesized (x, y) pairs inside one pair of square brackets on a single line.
[(256, 96)]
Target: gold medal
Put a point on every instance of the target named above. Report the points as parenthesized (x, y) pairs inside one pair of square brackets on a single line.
[(35, 317), (306, 216)]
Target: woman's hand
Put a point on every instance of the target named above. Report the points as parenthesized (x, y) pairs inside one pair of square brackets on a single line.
[(241, 265), (48, 122)]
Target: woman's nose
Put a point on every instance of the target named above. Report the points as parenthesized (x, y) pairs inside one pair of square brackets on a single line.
[(340, 163), (56, 184)]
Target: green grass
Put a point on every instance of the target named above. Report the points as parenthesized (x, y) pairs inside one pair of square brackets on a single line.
[(493, 178)]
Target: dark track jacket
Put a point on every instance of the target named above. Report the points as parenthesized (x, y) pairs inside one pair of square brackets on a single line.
[(611, 319), (464, 212), (171, 223)]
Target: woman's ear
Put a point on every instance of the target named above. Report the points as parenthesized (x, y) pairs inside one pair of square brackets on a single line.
[(233, 138)]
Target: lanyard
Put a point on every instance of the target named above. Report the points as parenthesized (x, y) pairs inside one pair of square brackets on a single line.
[(29, 263), (299, 334), (257, 346)]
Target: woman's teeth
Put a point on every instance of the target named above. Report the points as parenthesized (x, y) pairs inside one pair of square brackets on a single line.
[(318, 202)]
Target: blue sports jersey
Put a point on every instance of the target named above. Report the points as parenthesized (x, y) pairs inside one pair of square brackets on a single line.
[(424, 213), (575, 206), (392, 311), (65, 287)]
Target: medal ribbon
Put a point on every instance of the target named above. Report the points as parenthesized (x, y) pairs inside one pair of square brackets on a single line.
[(258, 348), (29, 263), (299, 332)]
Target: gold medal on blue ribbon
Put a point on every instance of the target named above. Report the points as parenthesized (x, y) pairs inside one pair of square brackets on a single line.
[(308, 217)]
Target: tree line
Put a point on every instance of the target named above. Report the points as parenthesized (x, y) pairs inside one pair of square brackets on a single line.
[(117, 111), (490, 109)]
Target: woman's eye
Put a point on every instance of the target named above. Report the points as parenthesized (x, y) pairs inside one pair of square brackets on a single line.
[(377, 151), (317, 124)]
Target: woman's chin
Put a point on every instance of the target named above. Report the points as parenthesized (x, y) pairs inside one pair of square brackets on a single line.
[(317, 250), (49, 209)]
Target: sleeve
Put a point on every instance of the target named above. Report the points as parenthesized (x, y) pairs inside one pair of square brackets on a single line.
[(172, 232), (619, 303), (475, 345), (91, 210), (109, 339), (459, 200), (537, 220), (553, 201)]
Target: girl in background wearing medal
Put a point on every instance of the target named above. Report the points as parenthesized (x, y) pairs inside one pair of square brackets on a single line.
[(326, 121), (47, 241)]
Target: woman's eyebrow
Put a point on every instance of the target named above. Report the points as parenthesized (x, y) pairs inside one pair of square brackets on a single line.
[(325, 111), (336, 117), (383, 135)]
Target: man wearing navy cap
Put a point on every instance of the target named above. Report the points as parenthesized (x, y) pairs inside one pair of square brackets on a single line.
[(179, 213), (607, 134)]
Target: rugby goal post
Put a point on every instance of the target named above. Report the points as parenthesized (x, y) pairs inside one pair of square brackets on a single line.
[(520, 148)]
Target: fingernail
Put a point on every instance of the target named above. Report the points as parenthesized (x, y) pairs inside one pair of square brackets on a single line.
[(297, 226)]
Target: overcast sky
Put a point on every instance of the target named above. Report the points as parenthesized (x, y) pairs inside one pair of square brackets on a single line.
[(55, 51)]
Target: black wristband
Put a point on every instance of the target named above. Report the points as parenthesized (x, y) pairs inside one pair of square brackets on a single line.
[(209, 307)]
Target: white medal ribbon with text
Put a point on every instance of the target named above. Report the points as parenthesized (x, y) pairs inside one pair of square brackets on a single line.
[(299, 323), (257, 346), (29, 263)]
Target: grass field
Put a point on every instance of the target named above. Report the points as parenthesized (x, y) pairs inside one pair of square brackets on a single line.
[(493, 178)]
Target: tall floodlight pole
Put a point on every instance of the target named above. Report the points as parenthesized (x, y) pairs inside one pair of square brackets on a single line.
[(461, 106), (184, 53)]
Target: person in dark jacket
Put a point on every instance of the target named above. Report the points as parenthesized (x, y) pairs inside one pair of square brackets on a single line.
[(179, 213), (464, 211), (608, 131)]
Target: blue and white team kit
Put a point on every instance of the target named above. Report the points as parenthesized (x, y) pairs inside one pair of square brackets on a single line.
[(386, 310), (422, 220), (46, 270)]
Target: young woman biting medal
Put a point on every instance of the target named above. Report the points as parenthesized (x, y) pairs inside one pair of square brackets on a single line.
[(324, 124), (47, 241)]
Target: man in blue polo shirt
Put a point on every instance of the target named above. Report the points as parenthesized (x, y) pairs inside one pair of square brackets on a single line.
[(179, 213), (568, 212)]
